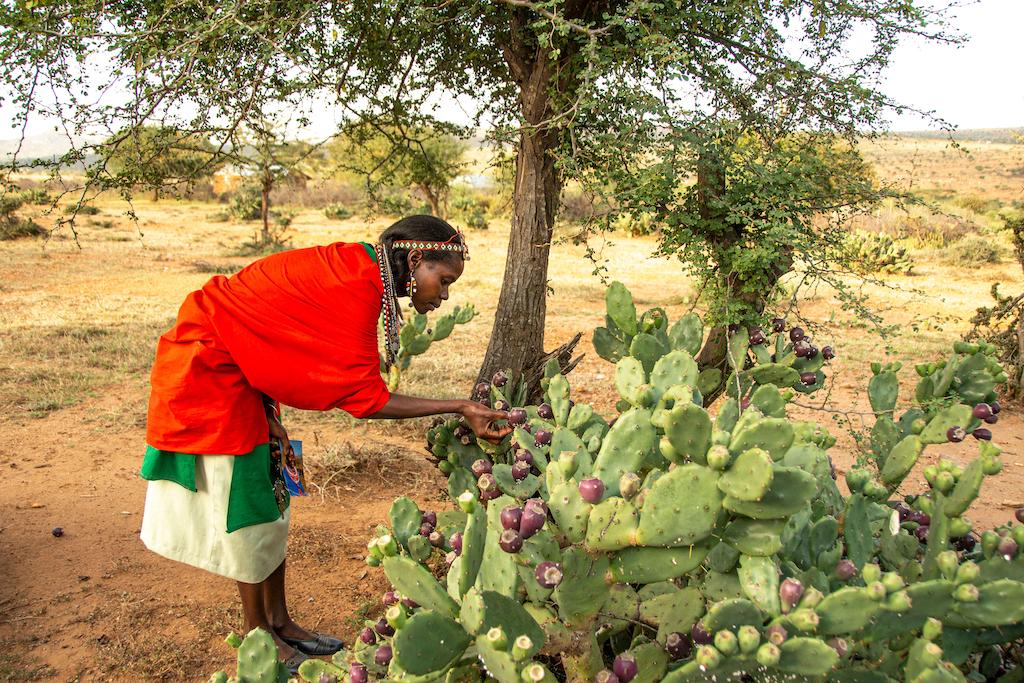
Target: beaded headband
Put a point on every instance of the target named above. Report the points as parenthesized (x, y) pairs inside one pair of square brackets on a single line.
[(448, 245)]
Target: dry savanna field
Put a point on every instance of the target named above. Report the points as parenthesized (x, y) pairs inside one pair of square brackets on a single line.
[(78, 325)]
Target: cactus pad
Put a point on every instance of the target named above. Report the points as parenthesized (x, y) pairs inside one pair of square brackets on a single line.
[(688, 429), (583, 589), (755, 536), (791, 489), (675, 611), (806, 657), (759, 579), (612, 525), (625, 448), (680, 508), (646, 565), (731, 614), (429, 643), (772, 434), (672, 369), (848, 610), (749, 476), (901, 459), (774, 373), (956, 415), (412, 579)]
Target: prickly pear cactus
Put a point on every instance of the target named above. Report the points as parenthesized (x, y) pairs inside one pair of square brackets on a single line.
[(877, 253), (415, 338), (677, 545)]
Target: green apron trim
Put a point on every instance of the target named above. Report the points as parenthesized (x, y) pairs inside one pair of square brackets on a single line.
[(370, 250), (251, 498), (169, 466)]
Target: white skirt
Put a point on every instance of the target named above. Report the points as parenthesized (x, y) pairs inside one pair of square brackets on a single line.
[(191, 526)]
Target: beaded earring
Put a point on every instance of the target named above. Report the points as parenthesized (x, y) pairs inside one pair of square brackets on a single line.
[(411, 288)]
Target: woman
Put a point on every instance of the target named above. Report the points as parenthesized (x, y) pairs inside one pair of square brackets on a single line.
[(297, 328)]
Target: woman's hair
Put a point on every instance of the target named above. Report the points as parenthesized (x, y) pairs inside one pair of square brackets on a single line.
[(423, 228)]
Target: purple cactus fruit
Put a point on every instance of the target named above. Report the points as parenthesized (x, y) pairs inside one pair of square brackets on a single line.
[(382, 627), (542, 437), (845, 570), (491, 494), (808, 379), (700, 635), (956, 434), (922, 533), (801, 349), (1019, 514), (481, 467), (827, 353), (744, 403), (778, 325), (756, 335), (625, 667), (545, 411), (549, 574), (982, 411), (436, 539), (995, 407), (57, 531), (482, 389), (812, 351), (389, 598), (455, 543), (991, 419), (982, 434), (678, 645), (523, 455), (517, 416), (796, 334), (606, 676), (383, 655), (368, 636), (533, 520), (922, 518), (839, 645), (511, 516), (501, 405), (592, 490), (776, 634), (965, 543), (429, 518), (510, 541), (904, 512), (520, 470), (426, 529), (357, 673), (790, 593), (487, 482), (1007, 548), (409, 603), (499, 379)]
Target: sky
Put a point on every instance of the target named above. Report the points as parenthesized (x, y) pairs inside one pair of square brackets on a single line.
[(978, 84)]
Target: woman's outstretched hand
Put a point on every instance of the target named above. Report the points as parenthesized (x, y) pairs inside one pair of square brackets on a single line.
[(481, 420)]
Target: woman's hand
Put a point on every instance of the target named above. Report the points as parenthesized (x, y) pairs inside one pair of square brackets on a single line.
[(481, 421), (278, 432)]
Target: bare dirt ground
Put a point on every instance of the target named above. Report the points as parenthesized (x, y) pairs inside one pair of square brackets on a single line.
[(77, 329)]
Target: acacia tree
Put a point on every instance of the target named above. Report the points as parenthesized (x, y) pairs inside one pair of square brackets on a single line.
[(159, 157), (598, 91)]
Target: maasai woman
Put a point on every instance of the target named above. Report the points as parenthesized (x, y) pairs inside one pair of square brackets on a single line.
[(297, 328)]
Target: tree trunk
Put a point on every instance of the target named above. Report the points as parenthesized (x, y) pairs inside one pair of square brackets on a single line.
[(435, 202), (517, 339)]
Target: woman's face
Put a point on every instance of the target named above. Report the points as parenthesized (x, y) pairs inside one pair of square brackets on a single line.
[(432, 280)]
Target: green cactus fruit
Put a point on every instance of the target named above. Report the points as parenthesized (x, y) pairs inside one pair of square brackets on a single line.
[(883, 389), (673, 612), (956, 415), (708, 657), (754, 536), (771, 434), (233, 640), (749, 639), (583, 589), (499, 664), (750, 476), (968, 572), (612, 525), (768, 655), (901, 459), (672, 369), (804, 619), (429, 643), (806, 657), (257, 659), (569, 510), (790, 490), (414, 581), (726, 643), (688, 429), (646, 565), (720, 438), (759, 579), (948, 563), (718, 458), (731, 614), (625, 448), (923, 655), (681, 507), (687, 334), (966, 490), (847, 610)]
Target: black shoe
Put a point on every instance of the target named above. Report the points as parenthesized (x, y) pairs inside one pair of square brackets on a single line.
[(317, 646), (294, 662)]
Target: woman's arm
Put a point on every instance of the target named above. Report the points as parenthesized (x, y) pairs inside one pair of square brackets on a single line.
[(479, 416)]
